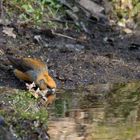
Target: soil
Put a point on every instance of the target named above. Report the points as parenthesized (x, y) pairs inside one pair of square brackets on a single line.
[(106, 55)]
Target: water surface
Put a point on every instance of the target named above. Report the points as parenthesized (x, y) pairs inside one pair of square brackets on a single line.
[(97, 112)]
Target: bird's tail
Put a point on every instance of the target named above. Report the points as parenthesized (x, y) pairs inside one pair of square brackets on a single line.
[(4, 52), (11, 54), (16, 62)]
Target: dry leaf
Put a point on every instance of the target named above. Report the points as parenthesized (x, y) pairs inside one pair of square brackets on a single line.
[(128, 31), (9, 31), (1, 52)]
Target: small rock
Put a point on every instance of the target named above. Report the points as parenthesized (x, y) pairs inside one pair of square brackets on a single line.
[(36, 123), (130, 24), (6, 134), (2, 122), (9, 32), (40, 41), (71, 48), (91, 6), (72, 15), (77, 47), (122, 23)]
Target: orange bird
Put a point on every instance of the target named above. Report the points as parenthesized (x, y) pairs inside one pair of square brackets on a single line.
[(35, 71)]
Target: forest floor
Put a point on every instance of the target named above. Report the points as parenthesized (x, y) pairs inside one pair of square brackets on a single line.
[(106, 56)]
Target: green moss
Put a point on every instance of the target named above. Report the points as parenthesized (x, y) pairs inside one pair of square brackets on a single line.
[(26, 107), (32, 11), (21, 111)]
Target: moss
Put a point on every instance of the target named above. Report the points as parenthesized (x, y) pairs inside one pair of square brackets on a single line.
[(26, 107), (32, 11), (22, 112)]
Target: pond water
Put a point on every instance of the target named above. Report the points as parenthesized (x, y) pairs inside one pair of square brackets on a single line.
[(96, 112)]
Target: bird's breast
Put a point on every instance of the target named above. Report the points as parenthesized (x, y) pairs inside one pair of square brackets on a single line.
[(38, 77)]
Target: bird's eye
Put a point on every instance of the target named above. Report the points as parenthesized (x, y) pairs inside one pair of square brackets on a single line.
[(51, 91)]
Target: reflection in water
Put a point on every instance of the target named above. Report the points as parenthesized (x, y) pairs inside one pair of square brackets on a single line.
[(99, 112)]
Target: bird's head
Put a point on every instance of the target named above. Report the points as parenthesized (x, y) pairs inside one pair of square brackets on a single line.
[(49, 83)]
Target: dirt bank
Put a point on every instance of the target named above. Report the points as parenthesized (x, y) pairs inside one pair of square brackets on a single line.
[(106, 56)]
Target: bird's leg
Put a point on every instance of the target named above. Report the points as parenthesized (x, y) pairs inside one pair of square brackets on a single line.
[(42, 93), (50, 100), (37, 92), (30, 86)]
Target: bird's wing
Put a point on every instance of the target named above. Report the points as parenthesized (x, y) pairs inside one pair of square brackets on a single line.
[(25, 64)]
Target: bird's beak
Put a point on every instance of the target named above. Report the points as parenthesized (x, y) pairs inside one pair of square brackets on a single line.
[(51, 91)]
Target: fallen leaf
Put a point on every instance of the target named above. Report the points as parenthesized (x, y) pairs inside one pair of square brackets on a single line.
[(128, 31), (1, 52), (9, 31)]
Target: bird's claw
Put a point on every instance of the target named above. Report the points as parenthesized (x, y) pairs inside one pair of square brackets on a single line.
[(42, 93), (30, 86), (45, 98), (37, 92)]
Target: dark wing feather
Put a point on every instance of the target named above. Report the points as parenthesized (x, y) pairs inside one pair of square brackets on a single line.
[(25, 64), (18, 63)]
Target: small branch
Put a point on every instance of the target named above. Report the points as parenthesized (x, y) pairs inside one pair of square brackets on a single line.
[(69, 37), (28, 107), (62, 35), (2, 12)]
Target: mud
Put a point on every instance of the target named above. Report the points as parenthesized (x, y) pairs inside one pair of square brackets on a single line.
[(105, 56)]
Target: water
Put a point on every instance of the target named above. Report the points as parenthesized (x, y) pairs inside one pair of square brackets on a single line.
[(97, 112)]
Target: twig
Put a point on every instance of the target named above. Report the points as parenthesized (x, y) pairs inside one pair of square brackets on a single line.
[(28, 107), (60, 21), (62, 35), (2, 12), (69, 37)]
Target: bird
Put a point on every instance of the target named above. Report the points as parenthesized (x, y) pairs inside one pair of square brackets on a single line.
[(35, 71)]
